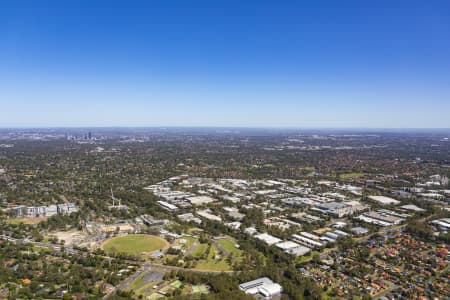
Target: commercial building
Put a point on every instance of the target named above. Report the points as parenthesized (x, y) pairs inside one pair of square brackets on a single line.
[(384, 200), (208, 215), (66, 208), (298, 251), (250, 231), (385, 217), (23, 211), (306, 241), (51, 210), (306, 217), (267, 238), (381, 218), (359, 230), (189, 217), (310, 235), (340, 209), (263, 286), (200, 200), (167, 205), (442, 223), (234, 225), (412, 207), (287, 245)]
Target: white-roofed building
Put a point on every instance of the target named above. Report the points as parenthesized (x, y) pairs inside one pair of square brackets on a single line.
[(287, 245), (234, 225), (208, 215), (359, 230), (250, 231), (299, 251), (267, 238), (200, 200), (270, 290), (263, 286), (412, 207), (167, 205), (306, 241), (384, 200)]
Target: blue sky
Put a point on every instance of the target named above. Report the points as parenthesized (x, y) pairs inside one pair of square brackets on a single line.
[(225, 63)]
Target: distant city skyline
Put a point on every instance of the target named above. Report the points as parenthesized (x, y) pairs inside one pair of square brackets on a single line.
[(225, 64)]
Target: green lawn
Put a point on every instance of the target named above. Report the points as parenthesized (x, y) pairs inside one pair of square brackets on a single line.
[(308, 169), (212, 252), (155, 296), (199, 250), (306, 258), (146, 288), (200, 289), (229, 245), (27, 221), (189, 241), (134, 244), (211, 264), (137, 283), (176, 284), (350, 175)]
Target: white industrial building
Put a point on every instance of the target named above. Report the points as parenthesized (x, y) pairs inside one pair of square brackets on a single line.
[(287, 245), (267, 238), (382, 218), (442, 223), (250, 231), (263, 286), (384, 200), (412, 207), (306, 241), (43, 211), (298, 251), (208, 215), (310, 235), (200, 200), (167, 205)]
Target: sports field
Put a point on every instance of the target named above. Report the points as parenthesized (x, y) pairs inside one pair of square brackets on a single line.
[(134, 244)]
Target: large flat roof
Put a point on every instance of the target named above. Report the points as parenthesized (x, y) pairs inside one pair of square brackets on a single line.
[(384, 200)]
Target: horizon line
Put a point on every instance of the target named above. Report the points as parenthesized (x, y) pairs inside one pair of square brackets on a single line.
[(222, 127)]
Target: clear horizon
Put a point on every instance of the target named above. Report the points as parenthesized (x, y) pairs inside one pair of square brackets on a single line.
[(257, 64)]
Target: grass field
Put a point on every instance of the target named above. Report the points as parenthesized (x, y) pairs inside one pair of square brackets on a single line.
[(199, 250), (200, 289), (229, 245), (155, 296), (176, 284), (211, 264), (350, 175), (306, 258), (27, 221), (134, 244), (308, 169), (189, 241)]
